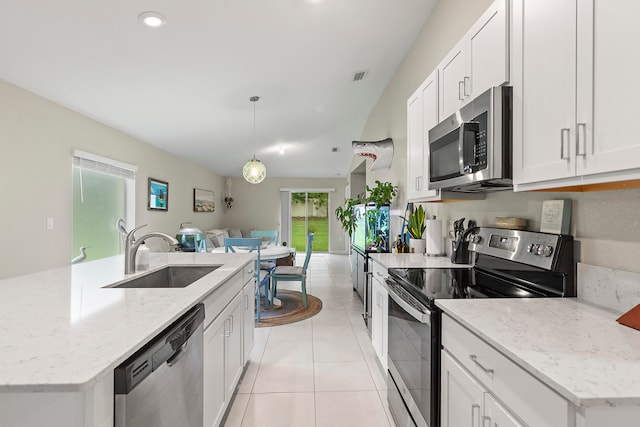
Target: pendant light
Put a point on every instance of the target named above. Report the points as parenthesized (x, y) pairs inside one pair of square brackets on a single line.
[(254, 170)]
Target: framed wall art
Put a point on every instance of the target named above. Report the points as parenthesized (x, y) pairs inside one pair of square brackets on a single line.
[(158, 195), (204, 200)]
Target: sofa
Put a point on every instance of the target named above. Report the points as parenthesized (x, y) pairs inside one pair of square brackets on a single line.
[(215, 238)]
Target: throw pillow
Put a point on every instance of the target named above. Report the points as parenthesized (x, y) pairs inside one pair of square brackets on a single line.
[(235, 233)]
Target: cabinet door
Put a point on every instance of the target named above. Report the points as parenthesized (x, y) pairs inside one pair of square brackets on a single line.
[(415, 145), (607, 86), (214, 372), (233, 346), (451, 73), (248, 322), (496, 415), (488, 51), (430, 117), (462, 396), (544, 80), (379, 320), (422, 115)]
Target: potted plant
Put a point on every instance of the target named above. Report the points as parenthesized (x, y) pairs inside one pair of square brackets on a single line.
[(229, 201), (382, 193), (416, 229), (346, 216)]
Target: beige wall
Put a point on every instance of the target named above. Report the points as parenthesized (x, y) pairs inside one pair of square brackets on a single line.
[(37, 138), (258, 206), (606, 224)]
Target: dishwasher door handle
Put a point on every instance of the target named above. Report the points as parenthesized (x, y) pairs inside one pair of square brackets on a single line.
[(175, 357)]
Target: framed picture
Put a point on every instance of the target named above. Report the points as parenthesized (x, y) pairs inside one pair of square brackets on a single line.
[(158, 195), (204, 200)]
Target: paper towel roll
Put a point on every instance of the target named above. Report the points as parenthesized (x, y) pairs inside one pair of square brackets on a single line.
[(434, 237)]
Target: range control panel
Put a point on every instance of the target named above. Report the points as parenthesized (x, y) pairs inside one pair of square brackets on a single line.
[(527, 247)]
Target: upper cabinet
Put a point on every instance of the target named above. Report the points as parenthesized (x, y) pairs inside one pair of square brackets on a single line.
[(479, 61), (573, 90), (422, 115)]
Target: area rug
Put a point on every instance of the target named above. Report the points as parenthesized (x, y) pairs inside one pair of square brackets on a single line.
[(291, 309)]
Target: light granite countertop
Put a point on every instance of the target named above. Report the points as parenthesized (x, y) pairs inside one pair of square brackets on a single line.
[(60, 330), (578, 350), (391, 260)]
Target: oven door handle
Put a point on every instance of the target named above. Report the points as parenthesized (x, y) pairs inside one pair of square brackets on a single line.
[(416, 314)]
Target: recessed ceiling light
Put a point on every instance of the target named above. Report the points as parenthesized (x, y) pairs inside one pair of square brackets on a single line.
[(152, 19)]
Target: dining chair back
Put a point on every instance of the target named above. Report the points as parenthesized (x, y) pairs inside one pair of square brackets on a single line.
[(262, 277), (293, 274), (268, 237)]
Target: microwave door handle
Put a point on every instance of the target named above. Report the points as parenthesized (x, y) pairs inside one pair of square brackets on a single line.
[(466, 147)]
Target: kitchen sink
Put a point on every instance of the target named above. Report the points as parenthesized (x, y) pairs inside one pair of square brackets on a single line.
[(175, 276)]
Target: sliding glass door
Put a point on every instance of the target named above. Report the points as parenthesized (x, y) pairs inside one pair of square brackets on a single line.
[(310, 214)]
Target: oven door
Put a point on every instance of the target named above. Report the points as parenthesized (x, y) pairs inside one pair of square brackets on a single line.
[(413, 359)]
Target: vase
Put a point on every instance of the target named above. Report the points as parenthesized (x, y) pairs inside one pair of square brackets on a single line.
[(417, 246)]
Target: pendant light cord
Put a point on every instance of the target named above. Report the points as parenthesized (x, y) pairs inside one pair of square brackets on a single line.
[(254, 99)]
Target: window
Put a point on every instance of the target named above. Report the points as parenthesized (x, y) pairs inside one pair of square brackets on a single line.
[(103, 205)]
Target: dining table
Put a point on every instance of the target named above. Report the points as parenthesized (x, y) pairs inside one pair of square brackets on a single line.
[(267, 252)]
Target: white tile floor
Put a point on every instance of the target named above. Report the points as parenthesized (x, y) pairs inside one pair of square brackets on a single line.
[(320, 371)]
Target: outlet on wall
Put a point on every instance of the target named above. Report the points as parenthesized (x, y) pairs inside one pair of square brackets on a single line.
[(49, 223)]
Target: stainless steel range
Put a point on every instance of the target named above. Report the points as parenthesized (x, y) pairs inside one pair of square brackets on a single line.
[(507, 264)]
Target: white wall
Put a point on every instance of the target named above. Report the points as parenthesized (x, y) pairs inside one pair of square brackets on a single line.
[(37, 138), (257, 206), (606, 224)]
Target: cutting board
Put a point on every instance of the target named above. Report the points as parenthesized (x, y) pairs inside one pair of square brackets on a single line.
[(631, 318)]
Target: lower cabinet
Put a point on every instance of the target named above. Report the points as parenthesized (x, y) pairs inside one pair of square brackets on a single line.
[(223, 361), (248, 324), (480, 386), (466, 403), (379, 313), (228, 340)]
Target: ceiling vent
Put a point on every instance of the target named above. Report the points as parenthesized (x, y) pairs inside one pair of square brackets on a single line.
[(359, 75)]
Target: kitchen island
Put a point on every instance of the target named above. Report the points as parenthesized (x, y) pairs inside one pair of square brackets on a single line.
[(63, 333), (576, 349)]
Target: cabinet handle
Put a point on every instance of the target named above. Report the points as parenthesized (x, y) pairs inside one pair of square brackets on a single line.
[(474, 359), (246, 302), (467, 79), (460, 90), (231, 325), (484, 421), (563, 131), (584, 130), (475, 418), (227, 332), (418, 182)]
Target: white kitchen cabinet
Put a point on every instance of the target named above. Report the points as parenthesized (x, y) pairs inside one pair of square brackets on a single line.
[(214, 372), (496, 415), (480, 382), (466, 403), (248, 323), (422, 115), (479, 61), (379, 313), (223, 361), (573, 92), (461, 395)]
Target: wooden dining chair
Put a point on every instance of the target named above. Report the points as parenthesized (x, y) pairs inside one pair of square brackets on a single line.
[(293, 274), (262, 276)]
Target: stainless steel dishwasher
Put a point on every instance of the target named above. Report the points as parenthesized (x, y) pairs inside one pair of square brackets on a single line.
[(161, 384)]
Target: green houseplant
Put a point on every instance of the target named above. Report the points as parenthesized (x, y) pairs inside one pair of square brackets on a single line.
[(381, 194), (346, 216), (416, 229)]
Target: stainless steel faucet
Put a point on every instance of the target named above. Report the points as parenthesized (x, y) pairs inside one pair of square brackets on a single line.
[(131, 247)]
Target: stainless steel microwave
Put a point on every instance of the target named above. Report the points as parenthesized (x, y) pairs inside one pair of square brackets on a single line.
[(470, 151)]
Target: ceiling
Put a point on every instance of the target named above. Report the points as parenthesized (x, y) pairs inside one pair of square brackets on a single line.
[(185, 87)]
